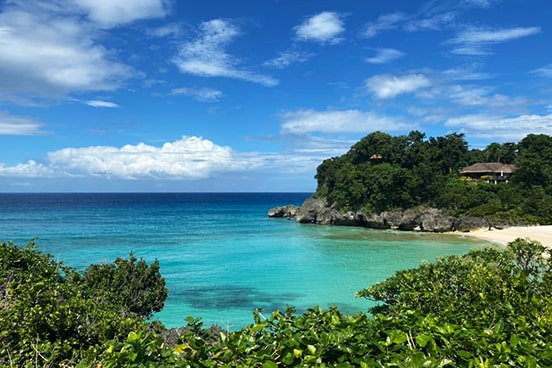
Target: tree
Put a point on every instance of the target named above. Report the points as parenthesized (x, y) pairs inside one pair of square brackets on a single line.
[(136, 286), (504, 153), (533, 162), (448, 152), (488, 284), (50, 313)]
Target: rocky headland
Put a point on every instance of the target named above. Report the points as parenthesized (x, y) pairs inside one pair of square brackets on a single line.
[(422, 218)]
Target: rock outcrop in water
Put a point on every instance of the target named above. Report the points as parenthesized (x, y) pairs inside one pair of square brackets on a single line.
[(426, 219), (288, 211)]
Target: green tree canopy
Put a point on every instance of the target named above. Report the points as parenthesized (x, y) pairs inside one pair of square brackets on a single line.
[(382, 172)]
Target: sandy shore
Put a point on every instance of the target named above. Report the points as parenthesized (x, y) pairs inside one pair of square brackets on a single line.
[(542, 234)]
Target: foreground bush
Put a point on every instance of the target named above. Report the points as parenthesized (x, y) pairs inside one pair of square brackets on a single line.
[(51, 313), (489, 308)]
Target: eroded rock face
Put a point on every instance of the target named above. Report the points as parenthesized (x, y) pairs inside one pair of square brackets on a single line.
[(375, 221), (287, 211), (315, 211), (436, 222), (470, 223), (422, 218)]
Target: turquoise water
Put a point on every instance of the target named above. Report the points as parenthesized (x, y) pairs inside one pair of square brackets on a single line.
[(221, 255)]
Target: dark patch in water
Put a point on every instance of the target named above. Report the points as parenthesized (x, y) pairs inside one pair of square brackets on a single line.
[(234, 297)]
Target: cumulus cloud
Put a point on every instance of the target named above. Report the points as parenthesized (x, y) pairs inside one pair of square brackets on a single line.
[(200, 94), (45, 53), (206, 56), (383, 56), (100, 103), (347, 121), (324, 27), (476, 40), (19, 125), (388, 86), (498, 128), (385, 22), (30, 169), (109, 13), (188, 158)]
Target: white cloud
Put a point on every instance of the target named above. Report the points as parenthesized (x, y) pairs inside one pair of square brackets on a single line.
[(289, 57), (384, 56), (206, 55), (435, 23), (482, 97), (187, 158), (30, 169), (100, 103), (475, 40), (348, 121), (173, 30), (323, 27), (388, 86), (385, 22), (19, 125), (494, 36), (200, 94), (47, 55), (479, 3), (497, 128), (469, 72), (545, 71), (110, 13)]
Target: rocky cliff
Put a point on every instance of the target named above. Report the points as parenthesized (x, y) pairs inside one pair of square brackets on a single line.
[(427, 219)]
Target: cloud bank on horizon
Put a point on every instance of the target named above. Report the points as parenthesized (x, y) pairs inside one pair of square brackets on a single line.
[(202, 96)]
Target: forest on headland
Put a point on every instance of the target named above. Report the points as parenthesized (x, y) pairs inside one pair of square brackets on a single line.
[(489, 308), (382, 172)]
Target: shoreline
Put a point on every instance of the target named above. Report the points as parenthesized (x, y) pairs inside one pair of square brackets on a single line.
[(540, 233)]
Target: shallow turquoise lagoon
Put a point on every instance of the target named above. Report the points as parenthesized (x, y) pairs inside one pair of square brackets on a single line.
[(221, 255)]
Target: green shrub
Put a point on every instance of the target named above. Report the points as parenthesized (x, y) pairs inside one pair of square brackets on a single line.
[(49, 314)]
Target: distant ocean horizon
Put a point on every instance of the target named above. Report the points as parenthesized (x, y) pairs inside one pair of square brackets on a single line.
[(221, 255)]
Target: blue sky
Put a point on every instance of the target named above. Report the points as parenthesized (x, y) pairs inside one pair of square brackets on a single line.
[(249, 95)]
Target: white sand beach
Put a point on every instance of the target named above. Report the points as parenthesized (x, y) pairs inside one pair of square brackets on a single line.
[(542, 234)]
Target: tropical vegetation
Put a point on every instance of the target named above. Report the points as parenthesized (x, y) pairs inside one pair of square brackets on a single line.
[(382, 172), (489, 308)]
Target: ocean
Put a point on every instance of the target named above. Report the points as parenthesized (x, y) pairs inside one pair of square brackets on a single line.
[(221, 255)]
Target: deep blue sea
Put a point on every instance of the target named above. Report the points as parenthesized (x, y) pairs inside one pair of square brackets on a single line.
[(221, 255)]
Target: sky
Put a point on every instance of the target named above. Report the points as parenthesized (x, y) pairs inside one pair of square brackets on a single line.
[(252, 95)]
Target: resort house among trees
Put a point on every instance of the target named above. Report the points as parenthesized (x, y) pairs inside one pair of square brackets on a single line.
[(489, 171)]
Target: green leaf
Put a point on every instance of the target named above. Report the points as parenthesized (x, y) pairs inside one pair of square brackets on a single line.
[(270, 364), (422, 340), (464, 354)]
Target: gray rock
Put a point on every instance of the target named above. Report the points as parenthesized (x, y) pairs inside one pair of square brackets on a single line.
[(287, 211), (349, 218), (374, 221), (469, 223), (313, 211), (435, 221), (422, 218), (393, 219)]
